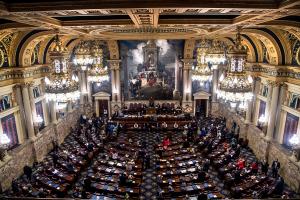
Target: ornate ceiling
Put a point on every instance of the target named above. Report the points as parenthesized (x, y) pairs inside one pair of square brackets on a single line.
[(270, 28), (122, 19)]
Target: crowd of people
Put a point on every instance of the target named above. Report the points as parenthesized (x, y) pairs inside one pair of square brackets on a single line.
[(141, 109), (108, 157)]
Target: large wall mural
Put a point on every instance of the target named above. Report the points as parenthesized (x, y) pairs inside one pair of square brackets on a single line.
[(148, 68)]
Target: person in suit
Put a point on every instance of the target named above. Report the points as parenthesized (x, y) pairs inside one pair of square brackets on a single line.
[(201, 176), (275, 168), (264, 167), (27, 171), (278, 187), (54, 158), (122, 179)]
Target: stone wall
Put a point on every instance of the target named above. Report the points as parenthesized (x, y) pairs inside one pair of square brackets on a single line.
[(264, 148), (42, 144), (14, 163), (35, 150), (63, 126), (290, 169)]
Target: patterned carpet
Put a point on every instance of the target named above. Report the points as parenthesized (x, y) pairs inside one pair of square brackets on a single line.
[(149, 185)]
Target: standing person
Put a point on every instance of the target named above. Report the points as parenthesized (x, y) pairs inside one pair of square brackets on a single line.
[(264, 167), (275, 168), (147, 161), (54, 158), (254, 167), (27, 171)]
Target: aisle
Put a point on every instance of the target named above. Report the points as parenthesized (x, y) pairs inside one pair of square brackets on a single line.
[(149, 185)]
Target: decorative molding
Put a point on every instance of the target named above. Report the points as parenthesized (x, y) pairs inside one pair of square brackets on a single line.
[(275, 73), (22, 75)]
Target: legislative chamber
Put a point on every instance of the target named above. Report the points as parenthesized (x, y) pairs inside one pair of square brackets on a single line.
[(149, 100)]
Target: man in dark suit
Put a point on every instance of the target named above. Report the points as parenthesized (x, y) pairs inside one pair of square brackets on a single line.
[(275, 168)]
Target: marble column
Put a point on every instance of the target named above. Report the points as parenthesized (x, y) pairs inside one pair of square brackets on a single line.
[(187, 81), (46, 112), (113, 85), (118, 84), (281, 102), (248, 112), (28, 111), (44, 103), (32, 103), (215, 83), (272, 110), (115, 81), (1, 128), (22, 117), (69, 106), (97, 107), (89, 92), (52, 105), (83, 87), (255, 93), (176, 93)]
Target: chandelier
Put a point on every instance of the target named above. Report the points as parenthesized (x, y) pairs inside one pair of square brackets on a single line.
[(62, 85), (83, 57), (202, 72), (98, 73), (236, 87), (216, 53)]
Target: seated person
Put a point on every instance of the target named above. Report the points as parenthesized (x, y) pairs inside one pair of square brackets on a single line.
[(87, 184), (90, 147), (278, 187), (170, 188), (164, 125), (241, 163), (114, 155), (123, 179), (70, 167), (175, 125), (130, 179), (254, 167), (206, 165), (166, 143), (237, 175), (201, 176)]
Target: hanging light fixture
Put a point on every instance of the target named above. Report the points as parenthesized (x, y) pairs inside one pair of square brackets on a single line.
[(202, 72), (62, 85), (236, 87), (98, 73), (216, 53), (83, 57)]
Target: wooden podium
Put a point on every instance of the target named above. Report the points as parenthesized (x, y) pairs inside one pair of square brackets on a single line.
[(151, 111)]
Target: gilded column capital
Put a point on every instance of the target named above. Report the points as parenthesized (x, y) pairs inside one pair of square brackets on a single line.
[(114, 64), (187, 63), (274, 83), (16, 86), (29, 84)]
